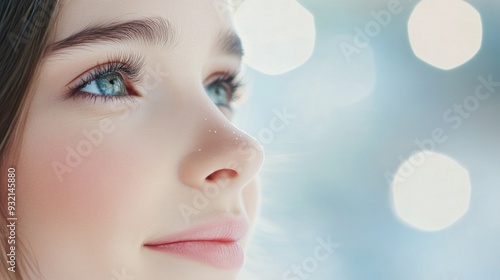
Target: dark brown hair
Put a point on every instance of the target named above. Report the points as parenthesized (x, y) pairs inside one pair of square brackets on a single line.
[(24, 30)]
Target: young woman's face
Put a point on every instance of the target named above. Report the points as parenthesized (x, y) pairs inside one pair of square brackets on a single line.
[(130, 167)]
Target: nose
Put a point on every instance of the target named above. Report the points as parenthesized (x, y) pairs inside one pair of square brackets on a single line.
[(221, 154)]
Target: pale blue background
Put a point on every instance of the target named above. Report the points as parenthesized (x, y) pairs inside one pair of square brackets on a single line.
[(324, 174)]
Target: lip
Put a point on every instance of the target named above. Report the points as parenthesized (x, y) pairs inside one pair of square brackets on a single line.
[(215, 243)]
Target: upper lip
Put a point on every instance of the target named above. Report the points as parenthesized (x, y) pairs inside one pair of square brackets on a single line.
[(224, 229)]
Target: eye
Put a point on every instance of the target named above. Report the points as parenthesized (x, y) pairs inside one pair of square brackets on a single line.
[(112, 80), (223, 91), (111, 84)]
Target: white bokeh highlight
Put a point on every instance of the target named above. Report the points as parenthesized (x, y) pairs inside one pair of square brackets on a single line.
[(445, 33), (431, 191), (278, 35)]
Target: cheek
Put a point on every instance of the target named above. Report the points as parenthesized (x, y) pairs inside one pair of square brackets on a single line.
[(251, 199), (66, 179), (39, 186), (96, 207)]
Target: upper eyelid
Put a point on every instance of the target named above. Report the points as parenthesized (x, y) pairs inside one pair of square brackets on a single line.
[(135, 62), (90, 75), (235, 75)]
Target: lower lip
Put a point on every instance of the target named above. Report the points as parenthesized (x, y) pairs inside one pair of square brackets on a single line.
[(222, 255)]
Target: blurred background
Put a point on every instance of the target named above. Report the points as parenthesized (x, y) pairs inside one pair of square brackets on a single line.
[(380, 123)]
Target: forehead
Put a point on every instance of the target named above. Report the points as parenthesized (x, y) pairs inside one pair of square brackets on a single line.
[(198, 18)]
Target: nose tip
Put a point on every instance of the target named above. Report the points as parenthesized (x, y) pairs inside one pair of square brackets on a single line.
[(216, 157)]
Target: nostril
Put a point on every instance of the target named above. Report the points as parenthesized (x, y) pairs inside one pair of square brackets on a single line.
[(220, 174)]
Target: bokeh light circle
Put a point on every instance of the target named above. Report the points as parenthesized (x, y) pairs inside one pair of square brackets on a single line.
[(431, 191), (278, 35), (445, 33)]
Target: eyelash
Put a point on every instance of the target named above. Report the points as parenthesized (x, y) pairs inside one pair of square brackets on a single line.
[(234, 83), (129, 67)]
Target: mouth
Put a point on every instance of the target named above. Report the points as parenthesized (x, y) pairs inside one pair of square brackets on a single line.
[(215, 243)]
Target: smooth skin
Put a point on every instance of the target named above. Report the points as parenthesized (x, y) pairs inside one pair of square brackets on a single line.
[(89, 218)]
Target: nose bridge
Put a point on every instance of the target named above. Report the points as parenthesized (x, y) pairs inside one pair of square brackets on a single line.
[(220, 151)]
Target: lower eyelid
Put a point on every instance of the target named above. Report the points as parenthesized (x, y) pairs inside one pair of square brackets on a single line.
[(86, 96)]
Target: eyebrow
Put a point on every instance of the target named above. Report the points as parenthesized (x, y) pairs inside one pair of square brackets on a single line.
[(230, 43), (155, 31)]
